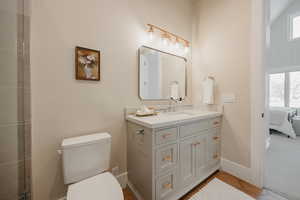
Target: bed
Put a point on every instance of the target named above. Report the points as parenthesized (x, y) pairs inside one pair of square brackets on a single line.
[(281, 120)]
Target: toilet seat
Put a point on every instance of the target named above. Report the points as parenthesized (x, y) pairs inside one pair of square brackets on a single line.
[(102, 186)]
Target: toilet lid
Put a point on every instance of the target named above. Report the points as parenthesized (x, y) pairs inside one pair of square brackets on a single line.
[(103, 186)]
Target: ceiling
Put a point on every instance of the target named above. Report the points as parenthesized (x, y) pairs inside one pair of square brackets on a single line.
[(277, 7)]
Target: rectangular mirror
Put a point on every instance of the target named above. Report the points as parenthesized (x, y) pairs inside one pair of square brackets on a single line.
[(161, 75)]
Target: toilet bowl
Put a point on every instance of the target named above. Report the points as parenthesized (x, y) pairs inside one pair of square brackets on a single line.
[(85, 164)]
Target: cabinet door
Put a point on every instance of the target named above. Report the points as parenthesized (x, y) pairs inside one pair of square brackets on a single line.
[(187, 161), (166, 186), (200, 154)]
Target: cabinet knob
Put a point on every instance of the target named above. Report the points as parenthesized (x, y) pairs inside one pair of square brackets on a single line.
[(167, 185), (197, 143), (216, 137), (166, 135), (140, 132), (167, 158)]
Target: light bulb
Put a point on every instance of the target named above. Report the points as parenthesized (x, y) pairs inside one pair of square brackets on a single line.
[(186, 49), (177, 44), (165, 39), (151, 33)]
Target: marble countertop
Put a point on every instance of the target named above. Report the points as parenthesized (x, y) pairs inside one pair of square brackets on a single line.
[(172, 118)]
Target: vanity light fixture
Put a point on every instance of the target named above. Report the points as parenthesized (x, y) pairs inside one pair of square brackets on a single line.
[(169, 37), (165, 39), (186, 47), (151, 32), (177, 43)]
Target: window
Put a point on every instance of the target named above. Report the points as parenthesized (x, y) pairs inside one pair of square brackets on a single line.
[(277, 85), (295, 29), (294, 89), (285, 89)]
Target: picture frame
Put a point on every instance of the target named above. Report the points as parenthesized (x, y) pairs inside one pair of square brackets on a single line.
[(87, 64)]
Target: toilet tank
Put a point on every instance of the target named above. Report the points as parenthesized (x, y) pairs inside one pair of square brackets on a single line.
[(85, 156)]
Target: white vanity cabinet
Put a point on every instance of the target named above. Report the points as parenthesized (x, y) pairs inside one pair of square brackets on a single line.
[(165, 163)]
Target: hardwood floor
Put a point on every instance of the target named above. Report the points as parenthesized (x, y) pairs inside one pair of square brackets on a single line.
[(223, 176)]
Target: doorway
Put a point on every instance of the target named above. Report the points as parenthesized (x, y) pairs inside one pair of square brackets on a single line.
[(282, 142)]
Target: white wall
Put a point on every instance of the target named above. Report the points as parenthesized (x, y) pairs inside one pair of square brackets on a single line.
[(63, 107), (221, 48), (283, 54)]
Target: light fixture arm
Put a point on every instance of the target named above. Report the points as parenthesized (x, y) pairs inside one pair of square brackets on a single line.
[(177, 37)]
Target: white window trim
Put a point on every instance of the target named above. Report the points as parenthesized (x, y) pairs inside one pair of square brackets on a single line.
[(286, 86), (286, 89), (290, 26), (283, 69)]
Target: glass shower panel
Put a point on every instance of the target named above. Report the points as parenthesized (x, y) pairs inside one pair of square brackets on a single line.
[(14, 101)]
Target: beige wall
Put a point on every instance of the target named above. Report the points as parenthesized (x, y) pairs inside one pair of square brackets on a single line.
[(221, 48), (63, 107)]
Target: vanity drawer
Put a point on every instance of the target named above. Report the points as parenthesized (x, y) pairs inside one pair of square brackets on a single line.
[(166, 186), (216, 122), (194, 128), (166, 158), (166, 135)]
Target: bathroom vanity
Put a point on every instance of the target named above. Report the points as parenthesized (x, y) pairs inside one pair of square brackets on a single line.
[(171, 153)]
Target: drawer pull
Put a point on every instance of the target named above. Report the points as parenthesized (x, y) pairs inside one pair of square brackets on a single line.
[(167, 158), (167, 186), (166, 135), (197, 143), (140, 132), (216, 138), (216, 156)]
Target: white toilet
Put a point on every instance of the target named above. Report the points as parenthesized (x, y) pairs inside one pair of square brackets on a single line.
[(85, 160)]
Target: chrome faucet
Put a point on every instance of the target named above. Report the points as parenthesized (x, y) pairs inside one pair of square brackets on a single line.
[(172, 107)]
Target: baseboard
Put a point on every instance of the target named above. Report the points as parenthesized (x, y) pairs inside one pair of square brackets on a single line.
[(122, 178), (135, 192), (237, 170)]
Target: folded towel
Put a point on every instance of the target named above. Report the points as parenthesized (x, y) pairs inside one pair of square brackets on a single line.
[(208, 91)]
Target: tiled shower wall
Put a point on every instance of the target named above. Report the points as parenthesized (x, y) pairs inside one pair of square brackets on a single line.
[(15, 120)]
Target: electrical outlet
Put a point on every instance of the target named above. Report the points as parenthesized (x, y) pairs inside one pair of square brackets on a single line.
[(115, 170)]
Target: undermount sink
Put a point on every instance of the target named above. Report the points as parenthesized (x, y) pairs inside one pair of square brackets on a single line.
[(176, 113), (196, 112), (188, 112)]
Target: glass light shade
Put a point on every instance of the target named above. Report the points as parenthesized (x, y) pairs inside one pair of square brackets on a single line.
[(177, 45), (165, 41), (151, 35), (186, 49)]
